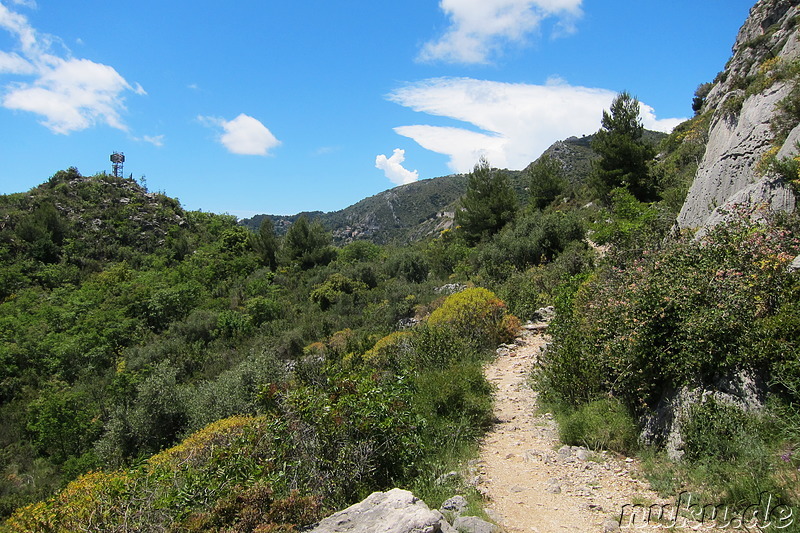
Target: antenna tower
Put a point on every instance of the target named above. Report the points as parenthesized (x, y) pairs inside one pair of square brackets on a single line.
[(117, 159)]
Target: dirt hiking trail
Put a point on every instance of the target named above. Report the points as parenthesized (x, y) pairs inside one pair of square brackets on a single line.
[(532, 482)]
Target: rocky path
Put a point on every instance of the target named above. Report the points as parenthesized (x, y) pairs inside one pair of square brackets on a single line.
[(532, 483)]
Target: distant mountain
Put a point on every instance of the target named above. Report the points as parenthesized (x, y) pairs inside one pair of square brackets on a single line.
[(416, 210)]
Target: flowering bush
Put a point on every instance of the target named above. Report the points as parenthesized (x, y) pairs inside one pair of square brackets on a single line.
[(477, 314), (681, 316)]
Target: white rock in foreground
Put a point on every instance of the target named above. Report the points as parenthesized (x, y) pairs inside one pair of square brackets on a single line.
[(395, 511)]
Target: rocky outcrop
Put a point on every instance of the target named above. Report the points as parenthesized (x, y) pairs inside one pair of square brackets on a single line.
[(399, 511), (744, 102), (664, 425), (395, 511)]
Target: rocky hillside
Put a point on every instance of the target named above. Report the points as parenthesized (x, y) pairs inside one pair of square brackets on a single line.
[(83, 222), (754, 105)]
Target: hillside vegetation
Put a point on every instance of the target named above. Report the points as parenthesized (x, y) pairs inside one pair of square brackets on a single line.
[(170, 370), (423, 209)]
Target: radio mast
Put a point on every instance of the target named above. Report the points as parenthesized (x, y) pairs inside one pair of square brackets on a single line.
[(117, 159)]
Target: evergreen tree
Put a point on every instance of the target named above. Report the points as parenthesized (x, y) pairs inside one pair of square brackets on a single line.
[(265, 243), (489, 203), (545, 181), (623, 152), (308, 243)]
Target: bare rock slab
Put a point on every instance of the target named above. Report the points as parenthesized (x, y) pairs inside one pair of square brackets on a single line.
[(395, 511), (473, 524)]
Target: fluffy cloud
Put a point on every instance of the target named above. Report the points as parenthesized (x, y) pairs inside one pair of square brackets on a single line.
[(393, 168), (72, 95), (244, 135), (517, 122), (480, 28), (69, 94)]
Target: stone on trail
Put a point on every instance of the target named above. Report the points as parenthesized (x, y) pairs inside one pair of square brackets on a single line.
[(395, 511)]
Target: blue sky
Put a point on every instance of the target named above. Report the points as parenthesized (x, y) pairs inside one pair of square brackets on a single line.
[(252, 107)]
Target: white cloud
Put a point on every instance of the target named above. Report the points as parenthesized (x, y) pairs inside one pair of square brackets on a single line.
[(69, 94), (480, 28), (11, 63), (393, 167), (155, 140), (244, 135), (650, 121), (516, 122), (73, 95)]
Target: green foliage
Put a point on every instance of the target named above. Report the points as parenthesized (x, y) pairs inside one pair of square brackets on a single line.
[(359, 251), (624, 155), (535, 238), (676, 317), (62, 423), (326, 294), (630, 223), (409, 265), (600, 425), (445, 254), (130, 339), (476, 314), (547, 181), (700, 96), (262, 309), (308, 244), (715, 431), (488, 205), (680, 154), (265, 244), (523, 294), (232, 324), (456, 400)]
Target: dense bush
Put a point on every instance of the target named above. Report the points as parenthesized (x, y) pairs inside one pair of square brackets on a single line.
[(534, 239), (476, 314), (601, 424), (683, 316)]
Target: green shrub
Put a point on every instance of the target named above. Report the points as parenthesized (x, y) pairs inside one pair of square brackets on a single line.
[(231, 324), (716, 431), (391, 351), (521, 291), (438, 347), (679, 316), (456, 398), (476, 314), (410, 265), (262, 309), (534, 239), (329, 292), (601, 424)]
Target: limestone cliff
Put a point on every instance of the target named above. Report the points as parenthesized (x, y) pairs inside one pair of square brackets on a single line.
[(750, 118)]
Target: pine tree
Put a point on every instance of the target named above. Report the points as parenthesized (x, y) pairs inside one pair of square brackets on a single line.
[(308, 243), (624, 154), (545, 181), (265, 243), (489, 203)]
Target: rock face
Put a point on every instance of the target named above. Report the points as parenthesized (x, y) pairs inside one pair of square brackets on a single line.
[(744, 101), (395, 511), (663, 427)]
